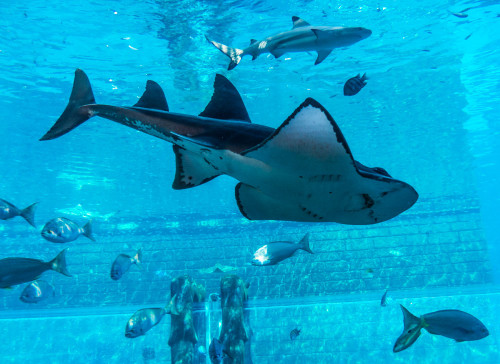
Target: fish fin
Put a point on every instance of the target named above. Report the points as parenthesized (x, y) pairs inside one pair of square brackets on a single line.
[(409, 319), (171, 306), (277, 52), (191, 169), (226, 102), (309, 133), (72, 116), (255, 205), (304, 245), (87, 230), (364, 77), (322, 55), (298, 22), (233, 53), (29, 214), (138, 258), (252, 41), (153, 97), (59, 263)]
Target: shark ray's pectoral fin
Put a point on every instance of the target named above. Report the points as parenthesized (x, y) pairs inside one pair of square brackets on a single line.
[(153, 97), (322, 55), (277, 52), (191, 169), (226, 102), (298, 22), (256, 205)]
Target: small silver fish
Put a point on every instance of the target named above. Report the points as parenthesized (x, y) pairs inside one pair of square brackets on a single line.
[(122, 264), (63, 230), (143, 320), (8, 211), (275, 252), (354, 85), (294, 333), (37, 291), (454, 324), (460, 14), (14, 271)]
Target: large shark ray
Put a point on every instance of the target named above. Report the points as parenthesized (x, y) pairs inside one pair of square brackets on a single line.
[(302, 171), (303, 37)]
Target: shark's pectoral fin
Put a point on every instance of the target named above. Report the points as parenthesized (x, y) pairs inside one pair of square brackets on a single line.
[(255, 205), (277, 52), (226, 102), (322, 55), (191, 169)]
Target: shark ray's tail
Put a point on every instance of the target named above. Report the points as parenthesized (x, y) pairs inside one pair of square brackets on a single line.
[(233, 53), (73, 115)]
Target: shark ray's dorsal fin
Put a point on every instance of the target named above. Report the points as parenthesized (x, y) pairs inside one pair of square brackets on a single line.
[(310, 133), (153, 97), (298, 22), (226, 102)]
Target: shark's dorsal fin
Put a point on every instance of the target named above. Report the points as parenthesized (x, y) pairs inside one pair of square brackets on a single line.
[(298, 22), (226, 102), (153, 97), (252, 41)]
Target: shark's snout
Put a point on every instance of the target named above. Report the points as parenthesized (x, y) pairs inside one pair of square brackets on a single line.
[(363, 33)]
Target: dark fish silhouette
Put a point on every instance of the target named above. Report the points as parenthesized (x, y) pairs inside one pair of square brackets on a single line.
[(122, 264), (216, 351), (8, 211), (460, 14), (455, 324), (294, 333), (275, 252), (354, 85), (63, 230), (14, 271), (143, 320), (383, 300), (37, 291)]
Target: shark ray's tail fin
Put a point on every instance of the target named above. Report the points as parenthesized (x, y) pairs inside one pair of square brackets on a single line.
[(73, 115), (233, 53), (29, 214), (59, 263), (304, 244)]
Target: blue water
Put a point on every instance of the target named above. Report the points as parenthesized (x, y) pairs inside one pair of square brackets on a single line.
[(428, 115)]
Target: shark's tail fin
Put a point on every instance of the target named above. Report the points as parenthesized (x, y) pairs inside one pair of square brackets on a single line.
[(304, 244), (59, 263), (233, 53), (29, 214), (73, 115)]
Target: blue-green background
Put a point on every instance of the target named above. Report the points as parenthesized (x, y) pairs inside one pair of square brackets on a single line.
[(429, 115)]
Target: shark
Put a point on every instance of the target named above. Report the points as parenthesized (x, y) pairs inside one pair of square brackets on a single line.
[(302, 171), (303, 37)]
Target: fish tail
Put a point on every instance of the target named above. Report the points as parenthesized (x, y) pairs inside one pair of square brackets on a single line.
[(29, 214), (74, 114), (364, 77), (87, 230), (234, 53), (304, 244), (409, 319), (59, 263), (138, 257)]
